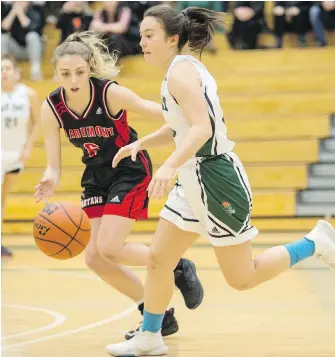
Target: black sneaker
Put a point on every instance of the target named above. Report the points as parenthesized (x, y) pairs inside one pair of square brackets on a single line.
[(169, 325), (188, 283), (5, 252)]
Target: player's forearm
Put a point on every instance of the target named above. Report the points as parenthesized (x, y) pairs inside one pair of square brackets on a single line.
[(54, 173), (162, 136), (33, 135), (195, 139)]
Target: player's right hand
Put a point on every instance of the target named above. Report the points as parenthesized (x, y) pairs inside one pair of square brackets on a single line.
[(129, 150), (45, 189)]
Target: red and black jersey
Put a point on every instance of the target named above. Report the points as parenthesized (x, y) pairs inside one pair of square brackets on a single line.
[(96, 131)]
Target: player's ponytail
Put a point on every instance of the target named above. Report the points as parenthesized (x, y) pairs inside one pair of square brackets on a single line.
[(195, 26), (93, 49), (199, 27)]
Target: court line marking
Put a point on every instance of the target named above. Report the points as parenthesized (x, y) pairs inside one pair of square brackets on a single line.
[(59, 320), (75, 330)]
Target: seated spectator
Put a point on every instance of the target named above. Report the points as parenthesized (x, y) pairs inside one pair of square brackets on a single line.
[(21, 34), (119, 27), (322, 16), (74, 16), (291, 16), (52, 11), (248, 23), (138, 8)]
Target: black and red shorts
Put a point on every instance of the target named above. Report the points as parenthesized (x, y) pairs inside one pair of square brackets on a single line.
[(120, 191)]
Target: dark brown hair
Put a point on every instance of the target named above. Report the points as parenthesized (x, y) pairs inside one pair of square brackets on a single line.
[(93, 49), (193, 25)]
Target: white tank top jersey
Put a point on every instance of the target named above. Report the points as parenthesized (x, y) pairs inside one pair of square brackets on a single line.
[(15, 112), (218, 143)]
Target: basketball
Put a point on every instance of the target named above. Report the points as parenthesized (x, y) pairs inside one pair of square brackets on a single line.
[(61, 230)]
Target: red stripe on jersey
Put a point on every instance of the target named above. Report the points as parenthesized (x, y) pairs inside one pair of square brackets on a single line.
[(122, 129), (145, 162), (120, 121), (134, 203), (58, 117), (94, 211)]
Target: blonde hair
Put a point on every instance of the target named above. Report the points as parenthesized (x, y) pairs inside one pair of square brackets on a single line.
[(93, 49), (10, 58)]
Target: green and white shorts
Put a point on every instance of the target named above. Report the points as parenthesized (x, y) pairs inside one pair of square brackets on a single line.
[(212, 198)]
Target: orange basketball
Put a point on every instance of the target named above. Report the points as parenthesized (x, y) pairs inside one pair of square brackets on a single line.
[(62, 230)]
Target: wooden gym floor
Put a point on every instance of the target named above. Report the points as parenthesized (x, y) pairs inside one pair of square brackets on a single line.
[(58, 308)]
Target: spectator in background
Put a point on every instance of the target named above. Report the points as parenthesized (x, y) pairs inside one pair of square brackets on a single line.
[(21, 34), (119, 27), (52, 11), (291, 16), (138, 8), (74, 16), (322, 16), (248, 23)]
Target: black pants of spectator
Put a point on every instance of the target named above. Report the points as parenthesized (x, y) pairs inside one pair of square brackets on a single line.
[(299, 25), (123, 45), (244, 35)]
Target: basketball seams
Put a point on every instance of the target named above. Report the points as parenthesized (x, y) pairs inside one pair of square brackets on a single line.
[(62, 230), (70, 218), (63, 226), (55, 225), (57, 243)]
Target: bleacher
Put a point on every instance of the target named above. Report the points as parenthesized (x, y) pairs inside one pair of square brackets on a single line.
[(277, 106)]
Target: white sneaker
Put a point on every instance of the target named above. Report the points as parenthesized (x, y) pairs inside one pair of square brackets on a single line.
[(323, 235), (142, 344)]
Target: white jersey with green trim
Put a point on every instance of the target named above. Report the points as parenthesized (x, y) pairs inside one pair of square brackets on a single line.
[(219, 143)]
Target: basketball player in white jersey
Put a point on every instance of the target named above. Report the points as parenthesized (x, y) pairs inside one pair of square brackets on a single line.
[(212, 196), (20, 112)]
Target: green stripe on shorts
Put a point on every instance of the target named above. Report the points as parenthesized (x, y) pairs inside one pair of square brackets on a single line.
[(228, 198)]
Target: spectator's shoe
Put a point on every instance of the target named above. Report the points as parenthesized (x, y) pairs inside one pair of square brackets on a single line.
[(302, 41), (188, 283), (169, 326), (320, 43), (5, 252)]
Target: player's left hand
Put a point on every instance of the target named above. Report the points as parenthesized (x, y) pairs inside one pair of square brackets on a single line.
[(160, 182), (25, 154)]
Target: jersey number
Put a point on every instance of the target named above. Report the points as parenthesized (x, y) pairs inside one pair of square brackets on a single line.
[(92, 149)]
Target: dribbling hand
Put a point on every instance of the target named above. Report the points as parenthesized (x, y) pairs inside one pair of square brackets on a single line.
[(45, 189), (128, 150)]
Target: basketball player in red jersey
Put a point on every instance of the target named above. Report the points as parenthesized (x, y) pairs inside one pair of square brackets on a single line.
[(91, 110)]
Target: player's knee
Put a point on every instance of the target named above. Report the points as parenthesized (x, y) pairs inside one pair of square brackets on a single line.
[(92, 258), (239, 284), (156, 261), (108, 251)]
